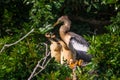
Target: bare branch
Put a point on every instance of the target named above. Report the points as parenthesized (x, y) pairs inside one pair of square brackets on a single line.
[(34, 71), (42, 67), (46, 48), (8, 45), (46, 53), (41, 64), (91, 21)]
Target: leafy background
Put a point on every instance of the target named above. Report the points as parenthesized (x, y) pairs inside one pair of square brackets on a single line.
[(98, 21)]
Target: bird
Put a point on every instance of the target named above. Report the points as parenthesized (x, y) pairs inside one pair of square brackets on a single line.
[(55, 47), (61, 52), (65, 53), (76, 43)]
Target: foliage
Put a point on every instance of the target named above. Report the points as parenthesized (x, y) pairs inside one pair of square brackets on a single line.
[(17, 17), (106, 52), (91, 8), (54, 71)]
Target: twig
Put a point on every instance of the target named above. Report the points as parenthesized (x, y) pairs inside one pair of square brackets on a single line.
[(8, 45), (46, 48), (44, 61), (43, 67), (34, 71), (74, 76), (91, 20)]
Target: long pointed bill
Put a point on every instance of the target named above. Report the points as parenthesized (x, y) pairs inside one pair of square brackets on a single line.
[(56, 23)]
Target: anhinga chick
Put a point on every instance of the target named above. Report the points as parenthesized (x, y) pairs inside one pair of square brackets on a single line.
[(55, 47), (76, 43), (66, 53)]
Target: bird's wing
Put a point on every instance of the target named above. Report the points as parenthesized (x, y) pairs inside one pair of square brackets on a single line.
[(78, 38), (80, 46)]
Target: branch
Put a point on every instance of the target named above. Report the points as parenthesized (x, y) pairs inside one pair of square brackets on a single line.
[(43, 66), (91, 21), (8, 45), (46, 48), (44, 62)]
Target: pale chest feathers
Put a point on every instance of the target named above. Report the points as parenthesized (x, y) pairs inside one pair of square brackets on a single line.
[(66, 55), (55, 47), (67, 39), (55, 51)]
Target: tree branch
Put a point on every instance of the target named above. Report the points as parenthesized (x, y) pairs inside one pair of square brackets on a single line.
[(41, 64), (91, 21), (8, 45)]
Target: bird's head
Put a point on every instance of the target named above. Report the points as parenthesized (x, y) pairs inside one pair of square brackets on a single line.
[(47, 35), (61, 20), (50, 35)]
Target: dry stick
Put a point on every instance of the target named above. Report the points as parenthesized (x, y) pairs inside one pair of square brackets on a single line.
[(46, 48), (8, 45), (43, 66), (74, 76), (44, 61), (46, 53), (34, 73)]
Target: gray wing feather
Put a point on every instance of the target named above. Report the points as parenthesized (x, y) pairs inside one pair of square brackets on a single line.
[(80, 47)]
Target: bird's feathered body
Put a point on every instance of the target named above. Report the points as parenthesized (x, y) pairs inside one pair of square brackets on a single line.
[(59, 50), (55, 48), (78, 44), (66, 53)]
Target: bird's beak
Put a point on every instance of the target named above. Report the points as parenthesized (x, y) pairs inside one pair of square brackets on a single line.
[(56, 23)]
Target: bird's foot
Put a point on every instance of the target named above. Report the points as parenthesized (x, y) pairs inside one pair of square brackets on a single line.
[(79, 62), (73, 64)]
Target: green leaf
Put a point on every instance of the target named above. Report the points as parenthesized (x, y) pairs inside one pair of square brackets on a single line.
[(111, 1), (95, 6), (45, 29), (89, 8)]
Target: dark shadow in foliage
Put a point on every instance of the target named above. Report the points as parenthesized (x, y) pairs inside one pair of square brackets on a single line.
[(13, 13)]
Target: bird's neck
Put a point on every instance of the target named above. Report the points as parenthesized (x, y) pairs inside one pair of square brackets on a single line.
[(64, 29), (52, 41), (64, 46)]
